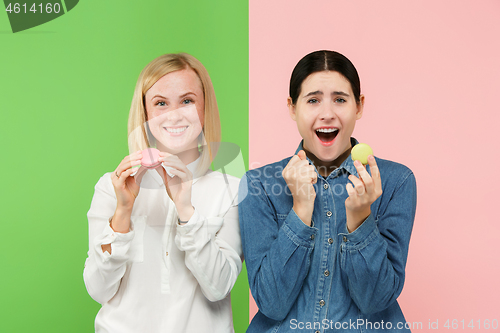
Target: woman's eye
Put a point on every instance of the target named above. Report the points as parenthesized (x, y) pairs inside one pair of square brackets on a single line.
[(160, 103), (187, 101), (340, 100), (313, 101)]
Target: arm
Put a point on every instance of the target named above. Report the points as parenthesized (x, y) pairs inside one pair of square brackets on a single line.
[(277, 258), (212, 249), (103, 271), (374, 255)]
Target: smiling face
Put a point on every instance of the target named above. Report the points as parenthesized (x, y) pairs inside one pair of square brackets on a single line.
[(175, 107), (326, 112)]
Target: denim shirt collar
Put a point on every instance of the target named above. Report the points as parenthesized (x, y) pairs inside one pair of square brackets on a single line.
[(347, 165)]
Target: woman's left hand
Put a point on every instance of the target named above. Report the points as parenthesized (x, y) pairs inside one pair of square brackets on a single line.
[(178, 187), (362, 193)]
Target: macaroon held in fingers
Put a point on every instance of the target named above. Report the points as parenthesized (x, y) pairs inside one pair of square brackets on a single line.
[(362, 193), (300, 176)]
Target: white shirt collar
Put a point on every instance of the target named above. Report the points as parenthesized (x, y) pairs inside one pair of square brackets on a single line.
[(191, 167)]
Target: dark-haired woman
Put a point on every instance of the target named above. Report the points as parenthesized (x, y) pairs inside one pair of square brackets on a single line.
[(327, 253)]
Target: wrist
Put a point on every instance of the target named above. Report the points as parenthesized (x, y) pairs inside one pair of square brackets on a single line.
[(304, 212), (185, 214), (120, 221), (355, 219)]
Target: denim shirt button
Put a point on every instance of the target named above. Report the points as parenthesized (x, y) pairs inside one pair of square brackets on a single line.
[(327, 273), (345, 239), (312, 236), (321, 303), (330, 240), (325, 186), (328, 213)]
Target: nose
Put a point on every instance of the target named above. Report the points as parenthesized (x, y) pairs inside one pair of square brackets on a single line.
[(327, 112), (174, 115)]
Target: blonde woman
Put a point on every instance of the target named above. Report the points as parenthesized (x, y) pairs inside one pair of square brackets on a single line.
[(164, 258)]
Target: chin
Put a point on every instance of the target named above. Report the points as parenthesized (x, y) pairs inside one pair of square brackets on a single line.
[(178, 147)]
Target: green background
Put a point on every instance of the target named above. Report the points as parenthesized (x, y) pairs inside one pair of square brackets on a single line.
[(65, 92)]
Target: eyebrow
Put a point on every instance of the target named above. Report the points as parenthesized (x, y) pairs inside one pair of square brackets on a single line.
[(319, 92), (182, 96)]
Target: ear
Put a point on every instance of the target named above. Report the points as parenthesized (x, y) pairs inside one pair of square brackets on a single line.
[(359, 111), (291, 108)]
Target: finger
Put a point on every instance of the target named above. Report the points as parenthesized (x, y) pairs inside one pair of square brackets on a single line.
[(351, 191), (302, 155), (123, 177), (358, 185), (182, 175), (301, 168), (165, 154), (293, 161), (375, 173), (163, 174), (180, 171), (139, 174), (174, 162), (129, 162), (364, 176), (311, 174)]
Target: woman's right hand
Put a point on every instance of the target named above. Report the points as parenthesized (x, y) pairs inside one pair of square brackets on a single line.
[(127, 187), (126, 190), (300, 176)]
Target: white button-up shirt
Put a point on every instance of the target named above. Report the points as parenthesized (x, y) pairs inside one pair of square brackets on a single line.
[(162, 276)]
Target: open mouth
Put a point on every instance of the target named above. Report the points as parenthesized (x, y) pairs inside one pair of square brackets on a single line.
[(175, 130), (327, 135)]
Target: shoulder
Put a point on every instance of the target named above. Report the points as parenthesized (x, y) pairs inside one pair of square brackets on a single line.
[(104, 182), (394, 173), (272, 170)]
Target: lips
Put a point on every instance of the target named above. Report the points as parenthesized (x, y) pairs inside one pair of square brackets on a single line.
[(177, 130), (327, 135)]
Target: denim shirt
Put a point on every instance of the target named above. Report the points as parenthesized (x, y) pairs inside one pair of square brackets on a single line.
[(323, 278)]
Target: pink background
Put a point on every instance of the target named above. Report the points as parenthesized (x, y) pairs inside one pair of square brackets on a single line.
[(430, 71)]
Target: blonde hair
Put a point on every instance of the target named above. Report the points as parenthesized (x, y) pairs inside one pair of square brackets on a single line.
[(159, 67)]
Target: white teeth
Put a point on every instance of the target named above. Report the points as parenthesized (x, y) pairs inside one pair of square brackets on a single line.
[(327, 130), (175, 130)]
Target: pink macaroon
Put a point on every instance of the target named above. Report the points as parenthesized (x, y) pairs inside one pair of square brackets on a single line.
[(150, 158)]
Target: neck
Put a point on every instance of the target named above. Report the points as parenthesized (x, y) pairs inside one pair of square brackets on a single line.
[(186, 156), (326, 167)]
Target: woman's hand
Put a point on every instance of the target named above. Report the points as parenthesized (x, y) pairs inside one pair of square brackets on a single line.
[(126, 187), (126, 190), (178, 187), (300, 176), (364, 192)]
